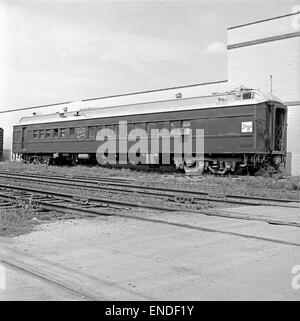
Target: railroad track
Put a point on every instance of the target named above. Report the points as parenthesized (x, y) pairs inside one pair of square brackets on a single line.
[(119, 186), (51, 279), (82, 206), (64, 202), (79, 285), (101, 179), (50, 201)]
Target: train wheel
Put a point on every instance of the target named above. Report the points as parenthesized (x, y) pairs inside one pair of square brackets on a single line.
[(197, 169)]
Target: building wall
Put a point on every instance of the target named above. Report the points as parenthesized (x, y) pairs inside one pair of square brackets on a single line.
[(262, 49), (294, 138)]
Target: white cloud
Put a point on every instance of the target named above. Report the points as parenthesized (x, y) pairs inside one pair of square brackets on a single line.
[(131, 50), (81, 55), (215, 48)]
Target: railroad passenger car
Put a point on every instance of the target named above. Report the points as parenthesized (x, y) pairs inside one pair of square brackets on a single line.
[(244, 130)]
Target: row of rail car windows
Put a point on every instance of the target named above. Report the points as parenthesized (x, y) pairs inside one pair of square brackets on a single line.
[(91, 132)]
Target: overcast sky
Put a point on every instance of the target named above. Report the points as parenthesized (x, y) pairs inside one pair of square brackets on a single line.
[(55, 51)]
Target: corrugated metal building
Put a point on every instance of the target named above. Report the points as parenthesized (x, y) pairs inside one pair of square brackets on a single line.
[(266, 54)]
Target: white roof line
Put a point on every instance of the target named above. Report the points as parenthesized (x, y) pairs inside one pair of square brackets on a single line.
[(151, 107)]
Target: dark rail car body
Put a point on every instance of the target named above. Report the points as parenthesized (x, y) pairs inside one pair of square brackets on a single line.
[(245, 133)]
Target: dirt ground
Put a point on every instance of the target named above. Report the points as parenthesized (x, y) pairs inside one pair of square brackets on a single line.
[(125, 259)]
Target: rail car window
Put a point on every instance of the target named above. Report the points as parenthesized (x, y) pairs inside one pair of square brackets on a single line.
[(41, 133), (140, 125), (130, 127), (92, 132), (175, 124), (62, 132), (48, 133), (35, 134), (55, 132), (117, 129), (186, 123), (99, 128), (72, 131), (279, 129), (150, 126), (163, 125), (111, 127)]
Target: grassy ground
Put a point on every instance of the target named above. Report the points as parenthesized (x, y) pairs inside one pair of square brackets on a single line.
[(66, 170), (23, 219), (15, 222), (230, 182)]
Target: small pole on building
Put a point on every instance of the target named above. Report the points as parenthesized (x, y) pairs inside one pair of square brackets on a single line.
[(271, 83)]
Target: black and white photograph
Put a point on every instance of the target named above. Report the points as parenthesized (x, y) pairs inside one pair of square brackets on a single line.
[(149, 153)]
